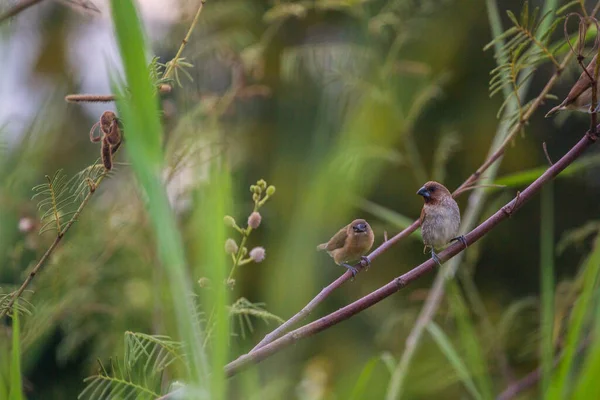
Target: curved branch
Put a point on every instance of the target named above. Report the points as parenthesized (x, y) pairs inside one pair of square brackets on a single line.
[(412, 275)]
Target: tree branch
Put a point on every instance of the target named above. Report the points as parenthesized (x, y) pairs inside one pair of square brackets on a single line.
[(412, 275)]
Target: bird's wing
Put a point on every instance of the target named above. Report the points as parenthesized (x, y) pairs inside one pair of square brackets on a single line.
[(422, 217), (337, 241), (582, 84)]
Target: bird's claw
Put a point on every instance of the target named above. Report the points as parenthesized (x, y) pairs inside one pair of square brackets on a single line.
[(461, 239), (351, 269), (436, 258), (367, 262)]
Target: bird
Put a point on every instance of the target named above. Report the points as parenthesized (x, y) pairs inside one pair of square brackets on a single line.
[(580, 96), (440, 218), (351, 243)]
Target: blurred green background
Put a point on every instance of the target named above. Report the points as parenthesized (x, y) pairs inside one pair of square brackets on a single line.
[(347, 108)]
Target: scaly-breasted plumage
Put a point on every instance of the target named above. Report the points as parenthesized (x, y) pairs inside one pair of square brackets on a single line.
[(350, 244), (440, 217)]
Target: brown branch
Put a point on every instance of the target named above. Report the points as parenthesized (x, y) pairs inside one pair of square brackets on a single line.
[(470, 182), (21, 6), (51, 249), (412, 275)]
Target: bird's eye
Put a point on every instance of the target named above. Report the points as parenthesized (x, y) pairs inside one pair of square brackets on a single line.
[(432, 189)]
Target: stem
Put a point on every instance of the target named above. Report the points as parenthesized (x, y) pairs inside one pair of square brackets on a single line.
[(50, 250), (239, 254), (402, 281), (171, 66)]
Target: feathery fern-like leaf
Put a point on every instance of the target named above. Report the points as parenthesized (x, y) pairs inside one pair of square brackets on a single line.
[(154, 352), (54, 203), (527, 48), (243, 309)]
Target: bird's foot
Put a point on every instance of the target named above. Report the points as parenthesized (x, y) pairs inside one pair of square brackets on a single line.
[(351, 269), (436, 258), (461, 239), (367, 262)]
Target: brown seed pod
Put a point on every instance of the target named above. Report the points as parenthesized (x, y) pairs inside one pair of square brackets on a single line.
[(105, 153)]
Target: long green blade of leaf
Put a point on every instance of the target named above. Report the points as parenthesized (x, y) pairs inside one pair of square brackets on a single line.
[(582, 307), (139, 111), (547, 283), (16, 386), (453, 357)]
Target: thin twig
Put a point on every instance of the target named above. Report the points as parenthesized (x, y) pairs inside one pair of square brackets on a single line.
[(21, 6), (171, 66), (546, 153), (52, 247), (417, 272)]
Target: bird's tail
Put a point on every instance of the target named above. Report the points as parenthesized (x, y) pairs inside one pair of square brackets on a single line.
[(322, 246), (555, 110)]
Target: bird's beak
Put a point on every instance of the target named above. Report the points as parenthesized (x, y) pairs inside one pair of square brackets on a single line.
[(424, 192), (360, 228)]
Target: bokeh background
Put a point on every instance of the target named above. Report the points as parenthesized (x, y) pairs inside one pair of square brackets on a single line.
[(347, 108)]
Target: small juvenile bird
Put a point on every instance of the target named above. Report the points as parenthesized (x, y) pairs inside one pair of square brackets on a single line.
[(580, 96), (440, 218), (351, 243)]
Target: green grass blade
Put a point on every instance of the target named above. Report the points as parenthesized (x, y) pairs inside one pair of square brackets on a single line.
[(526, 177), (139, 111), (214, 204), (474, 353), (583, 305), (16, 386), (451, 354), (547, 283), (358, 392)]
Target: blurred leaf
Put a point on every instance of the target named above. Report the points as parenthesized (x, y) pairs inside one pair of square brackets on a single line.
[(451, 354), (577, 236), (474, 354), (560, 382), (547, 283), (526, 177), (244, 309), (16, 386), (390, 216), (139, 110), (448, 144), (358, 392)]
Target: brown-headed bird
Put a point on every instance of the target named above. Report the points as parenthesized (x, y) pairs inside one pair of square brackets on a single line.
[(580, 96), (351, 243), (440, 218)]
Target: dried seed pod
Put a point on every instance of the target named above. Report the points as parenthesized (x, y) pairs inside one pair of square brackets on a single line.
[(105, 153), (93, 137), (114, 133)]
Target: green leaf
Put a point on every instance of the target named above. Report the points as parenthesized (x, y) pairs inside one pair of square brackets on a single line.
[(16, 386), (558, 388), (138, 107), (398, 220), (526, 177), (474, 354), (358, 392), (547, 283), (451, 354)]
